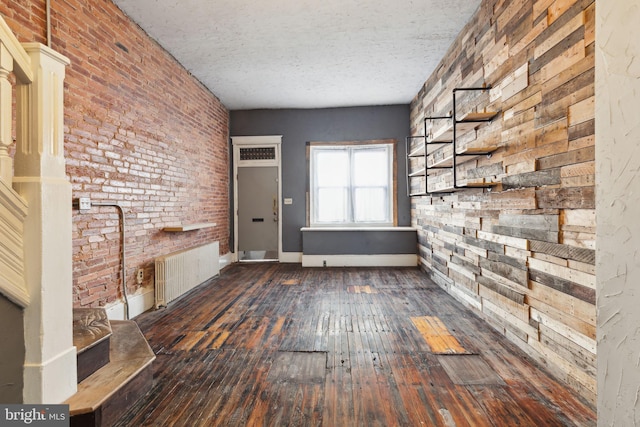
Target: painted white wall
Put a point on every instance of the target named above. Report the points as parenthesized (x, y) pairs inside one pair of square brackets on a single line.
[(226, 259), (618, 211), (140, 302)]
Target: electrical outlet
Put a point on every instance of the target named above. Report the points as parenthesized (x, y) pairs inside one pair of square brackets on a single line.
[(140, 276), (84, 203)]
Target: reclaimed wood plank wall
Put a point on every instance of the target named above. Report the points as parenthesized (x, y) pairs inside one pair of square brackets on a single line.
[(522, 254)]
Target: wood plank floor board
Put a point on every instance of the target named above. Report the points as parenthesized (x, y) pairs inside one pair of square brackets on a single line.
[(524, 375), (166, 393), (437, 335), (417, 408), (202, 394), (298, 367), (463, 408), (536, 407), (218, 407), (470, 370), (406, 337), (321, 339), (500, 405), (278, 344), (390, 391), (293, 391), (180, 400), (252, 406)]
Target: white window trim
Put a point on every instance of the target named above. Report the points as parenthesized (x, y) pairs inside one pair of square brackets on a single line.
[(391, 185)]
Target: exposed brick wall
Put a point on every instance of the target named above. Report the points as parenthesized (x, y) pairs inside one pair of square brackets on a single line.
[(139, 131), (522, 255)]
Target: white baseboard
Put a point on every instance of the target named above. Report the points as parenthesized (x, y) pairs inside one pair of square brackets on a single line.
[(138, 304), (393, 260), (291, 257), (226, 259), (285, 257)]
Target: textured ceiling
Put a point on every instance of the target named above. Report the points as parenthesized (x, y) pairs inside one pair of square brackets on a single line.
[(305, 53)]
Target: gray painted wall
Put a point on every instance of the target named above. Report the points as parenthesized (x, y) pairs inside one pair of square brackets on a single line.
[(12, 354), (297, 127), (359, 242)]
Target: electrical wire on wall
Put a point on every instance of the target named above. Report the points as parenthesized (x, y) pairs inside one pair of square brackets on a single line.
[(83, 205)]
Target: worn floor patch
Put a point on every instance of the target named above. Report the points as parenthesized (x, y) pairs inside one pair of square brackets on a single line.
[(357, 289), (438, 336), (470, 370), (298, 367)]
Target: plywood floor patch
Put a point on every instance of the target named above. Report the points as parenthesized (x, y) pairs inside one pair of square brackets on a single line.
[(438, 336), (470, 370)]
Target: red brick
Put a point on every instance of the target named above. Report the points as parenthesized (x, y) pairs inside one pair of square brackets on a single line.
[(138, 128)]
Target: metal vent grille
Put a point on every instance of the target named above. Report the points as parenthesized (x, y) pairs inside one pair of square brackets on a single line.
[(259, 153)]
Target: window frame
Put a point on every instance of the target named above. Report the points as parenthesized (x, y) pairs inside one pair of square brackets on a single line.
[(392, 143)]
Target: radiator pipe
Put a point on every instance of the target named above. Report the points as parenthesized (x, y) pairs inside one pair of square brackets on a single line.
[(122, 250), (48, 5)]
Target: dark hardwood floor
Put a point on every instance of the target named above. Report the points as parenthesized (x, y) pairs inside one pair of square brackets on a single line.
[(279, 345)]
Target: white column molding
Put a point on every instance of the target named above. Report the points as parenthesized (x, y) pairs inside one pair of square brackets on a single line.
[(6, 95), (50, 359)]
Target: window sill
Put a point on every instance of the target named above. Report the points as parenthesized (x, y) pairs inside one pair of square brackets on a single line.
[(355, 228)]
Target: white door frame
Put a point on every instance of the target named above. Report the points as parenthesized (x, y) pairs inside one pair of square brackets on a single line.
[(255, 141)]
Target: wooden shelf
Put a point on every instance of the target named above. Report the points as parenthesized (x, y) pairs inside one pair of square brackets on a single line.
[(441, 148), (476, 151), (443, 135), (415, 163), (417, 152), (433, 146), (430, 146), (451, 189), (466, 123), (189, 227), (479, 185), (467, 153), (478, 117), (419, 172), (445, 162)]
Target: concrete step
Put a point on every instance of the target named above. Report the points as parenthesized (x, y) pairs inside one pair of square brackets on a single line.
[(92, 338), (106, 394)]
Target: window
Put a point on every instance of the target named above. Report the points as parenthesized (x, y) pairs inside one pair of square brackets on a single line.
[(352, 184)]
